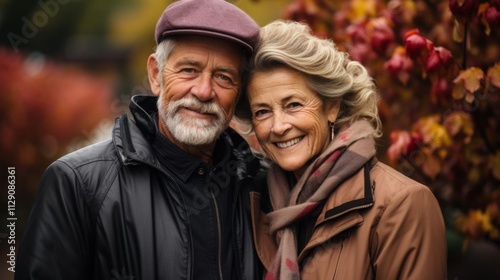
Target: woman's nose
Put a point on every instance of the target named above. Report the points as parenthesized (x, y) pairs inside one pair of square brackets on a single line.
[(280, 124)]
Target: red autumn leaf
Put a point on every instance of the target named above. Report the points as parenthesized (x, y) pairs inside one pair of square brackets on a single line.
[(464, 10), (432, 62), (381, 34), (399, 65), (440, 90), (489, 17), (415, 44), (400, 140), (495, 3), (492, 16)]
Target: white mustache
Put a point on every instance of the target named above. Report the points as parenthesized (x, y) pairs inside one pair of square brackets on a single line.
[(196, 105)]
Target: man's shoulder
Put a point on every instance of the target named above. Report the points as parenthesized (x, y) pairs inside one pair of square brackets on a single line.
[(99, 152), (90, 164)]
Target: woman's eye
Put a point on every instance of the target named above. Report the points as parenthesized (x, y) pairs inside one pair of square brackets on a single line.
[(294, 105), (260, 112)]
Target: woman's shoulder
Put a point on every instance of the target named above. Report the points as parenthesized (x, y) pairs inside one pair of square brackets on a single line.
[(391, 182)]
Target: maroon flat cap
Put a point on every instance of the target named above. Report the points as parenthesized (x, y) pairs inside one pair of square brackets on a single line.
[(216, 18)]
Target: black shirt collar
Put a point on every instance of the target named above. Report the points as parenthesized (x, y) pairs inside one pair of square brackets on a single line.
[(180, 162)]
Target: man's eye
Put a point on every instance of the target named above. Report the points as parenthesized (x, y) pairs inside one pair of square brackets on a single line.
[(224, 80), (188, 70), (223, 77)]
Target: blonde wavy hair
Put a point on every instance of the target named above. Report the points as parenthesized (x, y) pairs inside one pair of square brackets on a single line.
[(329, 72)]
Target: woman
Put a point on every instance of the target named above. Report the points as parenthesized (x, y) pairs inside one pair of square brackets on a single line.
[(333, 211)]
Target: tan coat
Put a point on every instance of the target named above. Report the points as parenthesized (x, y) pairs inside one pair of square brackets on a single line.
[(380, 225)]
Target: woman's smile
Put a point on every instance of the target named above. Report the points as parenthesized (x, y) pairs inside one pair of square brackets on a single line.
[(289, 143)]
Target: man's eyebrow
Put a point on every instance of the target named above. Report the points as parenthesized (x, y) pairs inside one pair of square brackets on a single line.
[(227, 70), (189, 62), (194, 63)]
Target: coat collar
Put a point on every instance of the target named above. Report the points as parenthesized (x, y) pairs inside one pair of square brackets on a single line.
[(338, 215), (356, 193)]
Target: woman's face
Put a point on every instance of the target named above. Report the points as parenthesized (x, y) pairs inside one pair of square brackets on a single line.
[(290, 120)]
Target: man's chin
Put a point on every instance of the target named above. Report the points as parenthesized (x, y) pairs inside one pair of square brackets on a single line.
[(196, 135)]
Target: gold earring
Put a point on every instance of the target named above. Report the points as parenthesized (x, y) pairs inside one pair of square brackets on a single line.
[(332, 130)]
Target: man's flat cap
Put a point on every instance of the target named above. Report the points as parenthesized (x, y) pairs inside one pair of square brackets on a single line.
[(216, 18)]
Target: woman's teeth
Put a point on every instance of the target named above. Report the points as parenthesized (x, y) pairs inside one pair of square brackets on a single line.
[(288, 143)]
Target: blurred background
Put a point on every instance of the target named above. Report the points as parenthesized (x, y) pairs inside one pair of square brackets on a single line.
[(69, 67)]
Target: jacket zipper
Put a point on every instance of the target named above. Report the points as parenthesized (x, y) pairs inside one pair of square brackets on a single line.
[(236, 251), (338, 259), (219, 236), (131, 161)]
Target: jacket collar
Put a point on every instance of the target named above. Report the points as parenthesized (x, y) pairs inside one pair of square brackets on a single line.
[(357, 193), (131, 144), (132, 139), (142, 108)]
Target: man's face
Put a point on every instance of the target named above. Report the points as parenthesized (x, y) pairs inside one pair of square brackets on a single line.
[(198, 89)]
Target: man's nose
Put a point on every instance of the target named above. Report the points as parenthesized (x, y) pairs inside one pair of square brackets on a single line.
[(203, 88)]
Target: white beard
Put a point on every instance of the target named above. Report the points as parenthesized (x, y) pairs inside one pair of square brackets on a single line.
[(189, 130)]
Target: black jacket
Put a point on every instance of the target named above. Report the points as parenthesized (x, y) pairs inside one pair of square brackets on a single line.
[(110, 211)]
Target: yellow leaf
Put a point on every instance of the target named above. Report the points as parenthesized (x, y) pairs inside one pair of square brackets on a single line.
[(494, 164), (362, 9), (459, 122), (471, 78), (469, 97), (431, 166), (494, 75), (433, 133), (458, 31), (481, 14), (458, 91), (474, 174)]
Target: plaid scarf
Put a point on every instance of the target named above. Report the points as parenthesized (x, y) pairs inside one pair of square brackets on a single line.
[(346, 154)]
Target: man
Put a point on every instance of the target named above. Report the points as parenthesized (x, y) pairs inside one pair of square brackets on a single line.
[(165, 197)]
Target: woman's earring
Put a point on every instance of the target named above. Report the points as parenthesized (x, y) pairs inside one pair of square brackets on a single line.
[(332, 130)]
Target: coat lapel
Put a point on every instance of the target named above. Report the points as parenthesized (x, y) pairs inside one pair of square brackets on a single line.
[(339, 213), (265, 244)]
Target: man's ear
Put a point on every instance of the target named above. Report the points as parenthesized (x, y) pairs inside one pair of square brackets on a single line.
[(154, 75)]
